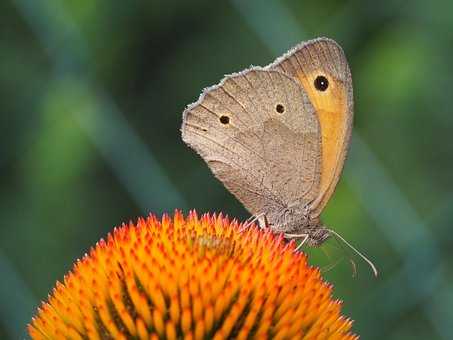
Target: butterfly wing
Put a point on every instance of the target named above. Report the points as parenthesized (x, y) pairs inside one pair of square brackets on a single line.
[(258, 132), (333, 105)]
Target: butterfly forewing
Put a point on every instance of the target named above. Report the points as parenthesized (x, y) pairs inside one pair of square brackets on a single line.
[(333, 104)]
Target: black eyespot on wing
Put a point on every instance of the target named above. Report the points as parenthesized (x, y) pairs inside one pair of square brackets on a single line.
[(321, 83), (280, 108), (224, 120)]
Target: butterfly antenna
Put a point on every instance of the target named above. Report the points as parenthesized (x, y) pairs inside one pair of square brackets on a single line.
[(373, 267)]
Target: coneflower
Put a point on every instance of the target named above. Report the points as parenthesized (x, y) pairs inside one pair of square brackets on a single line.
[(191, 278)]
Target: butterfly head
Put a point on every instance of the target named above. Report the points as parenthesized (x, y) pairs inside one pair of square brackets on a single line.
[(296, 223)]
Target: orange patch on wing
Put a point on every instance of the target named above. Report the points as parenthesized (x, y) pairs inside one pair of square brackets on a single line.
[(331, 109)]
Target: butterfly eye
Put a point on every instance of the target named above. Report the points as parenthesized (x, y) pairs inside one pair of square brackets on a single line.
[(280, 108), (321, 83), (224, 119)]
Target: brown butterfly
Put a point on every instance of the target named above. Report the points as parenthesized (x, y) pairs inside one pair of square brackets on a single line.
[(277, 136)]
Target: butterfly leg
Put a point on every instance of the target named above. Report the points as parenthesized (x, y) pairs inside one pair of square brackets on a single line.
[(250, 220), (262, 222), (253, 219), (304, 238)]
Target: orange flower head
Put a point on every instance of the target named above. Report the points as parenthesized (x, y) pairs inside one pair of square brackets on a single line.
[(191, 278)]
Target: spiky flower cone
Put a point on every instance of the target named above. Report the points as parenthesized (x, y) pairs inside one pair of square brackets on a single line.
[(191, 278)]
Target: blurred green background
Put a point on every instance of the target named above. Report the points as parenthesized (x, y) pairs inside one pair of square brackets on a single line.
[(91, 96)]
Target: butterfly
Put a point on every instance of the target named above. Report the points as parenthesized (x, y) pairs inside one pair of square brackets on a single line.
[(277, 136)]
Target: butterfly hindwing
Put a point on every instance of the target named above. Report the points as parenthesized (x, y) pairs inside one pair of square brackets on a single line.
[(258, 132)]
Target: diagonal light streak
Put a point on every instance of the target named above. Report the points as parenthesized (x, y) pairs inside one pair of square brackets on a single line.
[(131, 161)]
